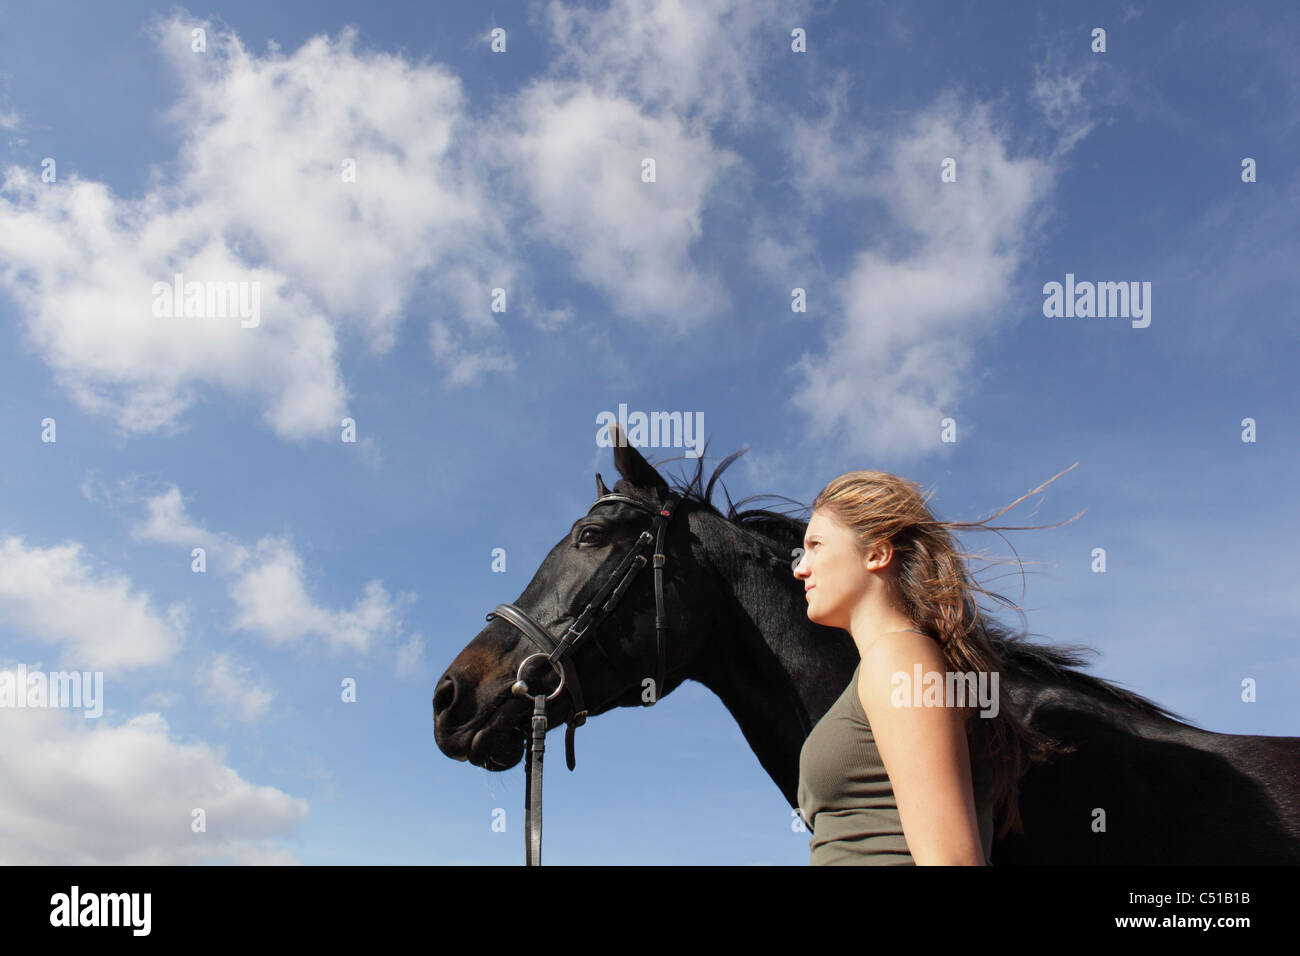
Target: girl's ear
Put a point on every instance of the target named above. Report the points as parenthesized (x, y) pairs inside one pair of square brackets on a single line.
[(879, 555)]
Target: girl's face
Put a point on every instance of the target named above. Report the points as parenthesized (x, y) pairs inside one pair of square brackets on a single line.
[(834, 574)]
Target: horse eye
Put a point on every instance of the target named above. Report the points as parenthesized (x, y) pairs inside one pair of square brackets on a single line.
[(583, 539)]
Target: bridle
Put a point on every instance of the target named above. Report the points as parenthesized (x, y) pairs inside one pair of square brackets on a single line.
[(554, 652)]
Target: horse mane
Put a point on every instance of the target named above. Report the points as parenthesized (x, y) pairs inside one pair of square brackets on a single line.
[(782, 532)]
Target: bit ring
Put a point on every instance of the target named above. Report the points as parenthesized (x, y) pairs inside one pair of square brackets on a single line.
[(519, 675)]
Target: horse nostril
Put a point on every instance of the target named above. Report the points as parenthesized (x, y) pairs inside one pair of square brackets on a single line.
[(444, 696)]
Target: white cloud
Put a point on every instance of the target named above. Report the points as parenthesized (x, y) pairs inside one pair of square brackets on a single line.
[(272, 600), (82, 263), (234, 689), (168, 522), (630, 81), (830, 155), (909, 319), (101, 623), (92, 488), (700, 59), (463, 365), (1058, 93), (100, 795), (628, 238), (270, 588), (409, 657), (9, 118), (259, 196)]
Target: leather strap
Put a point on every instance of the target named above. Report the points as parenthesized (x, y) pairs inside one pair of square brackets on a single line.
[(661, 621), (597, 609), (533, 784), (544, 641)]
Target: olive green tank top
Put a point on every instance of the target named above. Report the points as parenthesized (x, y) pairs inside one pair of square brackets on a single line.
[(846, 800)]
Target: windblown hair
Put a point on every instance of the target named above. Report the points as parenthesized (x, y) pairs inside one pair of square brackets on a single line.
[(932, 585)]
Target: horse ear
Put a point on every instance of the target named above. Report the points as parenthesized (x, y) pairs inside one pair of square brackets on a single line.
[(632, 466), (601, 490)]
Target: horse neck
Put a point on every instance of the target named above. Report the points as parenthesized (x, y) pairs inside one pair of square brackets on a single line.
[(774, 670)]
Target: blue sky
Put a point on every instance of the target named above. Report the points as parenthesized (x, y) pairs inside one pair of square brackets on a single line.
[(522, 170)]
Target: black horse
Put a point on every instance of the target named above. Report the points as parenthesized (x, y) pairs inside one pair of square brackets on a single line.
[(1171, 792)]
